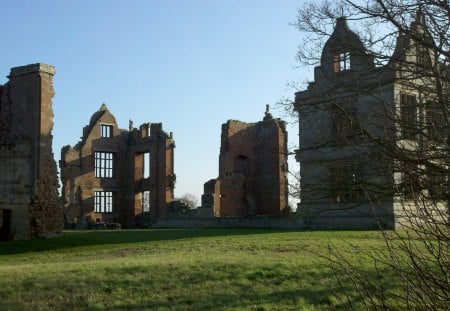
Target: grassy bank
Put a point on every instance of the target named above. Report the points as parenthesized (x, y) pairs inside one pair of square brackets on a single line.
[(178, 269)]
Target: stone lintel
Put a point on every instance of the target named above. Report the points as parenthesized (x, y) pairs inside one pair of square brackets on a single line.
[(33, 68)]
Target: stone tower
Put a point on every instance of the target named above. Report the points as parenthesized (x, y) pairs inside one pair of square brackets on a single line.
[(252, 170), (28, 177)]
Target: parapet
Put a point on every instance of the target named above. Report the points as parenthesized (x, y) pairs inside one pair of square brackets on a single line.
[(33, 68)]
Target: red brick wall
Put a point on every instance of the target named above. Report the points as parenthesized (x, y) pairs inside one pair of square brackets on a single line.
[(252, 169)]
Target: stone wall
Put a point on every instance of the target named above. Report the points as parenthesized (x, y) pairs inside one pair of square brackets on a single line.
[(252, 170), (132, 179), (28, 176), (330, 220)]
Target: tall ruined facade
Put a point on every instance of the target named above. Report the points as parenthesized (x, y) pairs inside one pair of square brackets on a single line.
[(252, 170), (117, 176), (29, 204), (359, 132)]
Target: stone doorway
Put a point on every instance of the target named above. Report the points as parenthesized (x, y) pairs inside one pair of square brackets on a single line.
[(5, 225)]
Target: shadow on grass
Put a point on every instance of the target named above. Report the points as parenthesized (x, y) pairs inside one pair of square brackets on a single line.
[(72, 239), (199, 288)]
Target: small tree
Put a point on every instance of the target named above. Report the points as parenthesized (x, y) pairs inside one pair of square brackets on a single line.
[(190, 200)]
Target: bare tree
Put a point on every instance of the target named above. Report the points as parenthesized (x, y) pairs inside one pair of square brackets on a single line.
[(190, 200), (405, 137)]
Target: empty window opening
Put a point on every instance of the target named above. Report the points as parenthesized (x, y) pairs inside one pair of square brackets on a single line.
[(104, 164), (146, 165), (242, 164), (106, 130), (103, 201), (146, 201), (5, 225), (342, 62)]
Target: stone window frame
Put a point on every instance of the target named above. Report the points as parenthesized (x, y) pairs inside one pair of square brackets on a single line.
[(409, 110), (106, 130), (347, 179), (103, 201), (342, 61), (423, 57), (435, 121), (104, 164)]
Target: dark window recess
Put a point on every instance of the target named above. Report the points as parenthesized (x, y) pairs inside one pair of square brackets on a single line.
[(345, 124), (242, 164), (435, 121), (347, 182), (5, 225), (408, 116)]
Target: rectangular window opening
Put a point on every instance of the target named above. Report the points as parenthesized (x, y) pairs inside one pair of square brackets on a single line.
[(408, 116), (342, 62), (146, 201), (146, 165), (5, 225), (104, 164), (106, 130), (422, 56), (347, 182), (103, 201), (435, 120)]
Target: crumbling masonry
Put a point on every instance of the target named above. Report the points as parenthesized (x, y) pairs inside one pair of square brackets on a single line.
[(117, 176), (252, 170), (29, 206)]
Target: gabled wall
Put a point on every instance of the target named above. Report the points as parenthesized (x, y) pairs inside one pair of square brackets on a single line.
[(128, 182), (350, 127)]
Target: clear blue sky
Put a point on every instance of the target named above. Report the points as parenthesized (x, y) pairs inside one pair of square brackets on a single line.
[(190, 64)]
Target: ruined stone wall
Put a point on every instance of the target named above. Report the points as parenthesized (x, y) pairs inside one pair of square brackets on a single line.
[(252, 169), (354, 219), (150, 138), (78, 176), (28, 177), (211, 196), (129, 181)]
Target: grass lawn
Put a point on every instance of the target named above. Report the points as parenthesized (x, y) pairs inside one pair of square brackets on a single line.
[(178, 269)]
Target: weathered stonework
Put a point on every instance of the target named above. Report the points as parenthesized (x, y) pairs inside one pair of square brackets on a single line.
[(355, 120), (29, 205), (252, 170), (140, 189)]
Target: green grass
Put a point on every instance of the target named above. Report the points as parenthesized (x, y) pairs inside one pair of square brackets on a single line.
[(178, 269)]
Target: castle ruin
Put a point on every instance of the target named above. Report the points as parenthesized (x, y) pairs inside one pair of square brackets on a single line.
[(252, 170), (117, 176)]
